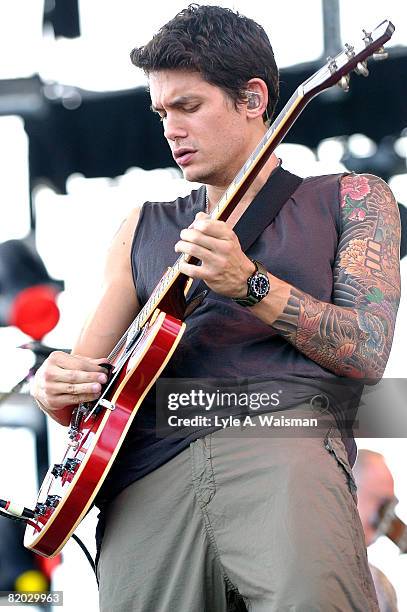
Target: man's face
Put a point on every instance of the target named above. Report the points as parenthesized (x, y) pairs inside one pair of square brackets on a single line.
[(375, 488), (208, 137)]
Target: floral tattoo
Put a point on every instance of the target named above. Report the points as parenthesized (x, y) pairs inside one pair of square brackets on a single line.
[(353, 335)]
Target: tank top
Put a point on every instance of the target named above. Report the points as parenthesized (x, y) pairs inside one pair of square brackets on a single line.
[(227, 341)]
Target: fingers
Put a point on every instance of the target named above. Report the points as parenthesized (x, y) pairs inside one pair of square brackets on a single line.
[(196, 250), (65, 379), (209, 243), (76, 362), (211, 227), (198, 237), (75, 377), (214, 244), (193, 271), (62, 395)]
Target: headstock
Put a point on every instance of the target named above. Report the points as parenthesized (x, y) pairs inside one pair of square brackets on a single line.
[(353, 57)]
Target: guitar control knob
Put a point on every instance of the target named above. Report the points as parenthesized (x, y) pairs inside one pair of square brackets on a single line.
[(57, 470), (40, 509), (52, 501), (71, 464)]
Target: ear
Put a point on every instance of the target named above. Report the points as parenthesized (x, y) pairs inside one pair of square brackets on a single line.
[(257, 98)]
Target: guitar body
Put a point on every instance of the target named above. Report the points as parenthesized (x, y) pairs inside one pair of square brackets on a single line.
[(70, 487)]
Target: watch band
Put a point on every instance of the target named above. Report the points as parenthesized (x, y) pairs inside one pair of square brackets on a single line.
[(251, 300)]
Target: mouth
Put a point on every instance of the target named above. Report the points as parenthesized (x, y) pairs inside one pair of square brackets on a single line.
[(183, 156)]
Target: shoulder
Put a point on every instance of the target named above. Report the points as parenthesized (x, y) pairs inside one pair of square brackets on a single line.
[(361, 186), (127, 227), (366, 195), (118, 254)]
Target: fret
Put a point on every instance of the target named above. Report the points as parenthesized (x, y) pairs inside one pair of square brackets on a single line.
[(239, 176), (225, 198), (259, 147)]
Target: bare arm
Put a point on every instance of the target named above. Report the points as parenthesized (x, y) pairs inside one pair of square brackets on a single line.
[(353, 336), (64, 381)]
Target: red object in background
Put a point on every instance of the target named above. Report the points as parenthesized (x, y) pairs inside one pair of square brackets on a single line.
[(47, 564), (34, 311)]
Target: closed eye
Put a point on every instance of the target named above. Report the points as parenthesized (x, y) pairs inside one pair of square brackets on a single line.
[(163, 115), (192, 109)]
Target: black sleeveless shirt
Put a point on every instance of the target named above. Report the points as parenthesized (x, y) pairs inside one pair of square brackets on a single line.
[(224, 340)]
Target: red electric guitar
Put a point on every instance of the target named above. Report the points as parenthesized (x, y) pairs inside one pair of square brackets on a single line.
[(98, 429)]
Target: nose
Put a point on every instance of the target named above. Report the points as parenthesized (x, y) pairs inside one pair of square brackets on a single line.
[(173, 128)]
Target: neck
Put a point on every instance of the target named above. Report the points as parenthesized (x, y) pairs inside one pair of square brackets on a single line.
[(215, 192)]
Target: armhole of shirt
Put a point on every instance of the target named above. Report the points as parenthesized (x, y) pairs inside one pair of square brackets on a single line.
[(339, 221), (133, 244)]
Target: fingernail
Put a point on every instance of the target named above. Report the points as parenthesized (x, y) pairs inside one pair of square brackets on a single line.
[(96, 388), (102, 378)]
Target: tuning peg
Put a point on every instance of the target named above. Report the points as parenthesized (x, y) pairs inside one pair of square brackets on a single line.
[(344, 83), (332, 65), (367, 37), (380, 54), (350, 51), (362, 69)]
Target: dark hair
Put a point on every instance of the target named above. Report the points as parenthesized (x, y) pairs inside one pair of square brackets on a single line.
[(226, 48)]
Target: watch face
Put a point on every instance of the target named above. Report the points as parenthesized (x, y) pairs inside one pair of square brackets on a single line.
[(259, 285)]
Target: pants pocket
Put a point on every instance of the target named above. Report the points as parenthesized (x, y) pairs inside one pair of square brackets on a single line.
[(333, 443)]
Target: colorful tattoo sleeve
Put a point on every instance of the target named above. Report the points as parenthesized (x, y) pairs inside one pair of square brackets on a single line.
[(353, 335)]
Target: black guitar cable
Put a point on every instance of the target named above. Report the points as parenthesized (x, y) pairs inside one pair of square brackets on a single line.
[(22, 514), (16, 511), (86, 552)]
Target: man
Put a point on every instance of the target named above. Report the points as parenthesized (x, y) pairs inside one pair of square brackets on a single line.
[(375, 489), (210, 521)]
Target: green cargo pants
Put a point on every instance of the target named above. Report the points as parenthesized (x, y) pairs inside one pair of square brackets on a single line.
[(240, 521)]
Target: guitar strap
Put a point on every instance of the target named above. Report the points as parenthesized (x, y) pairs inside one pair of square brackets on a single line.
[(262, 211)]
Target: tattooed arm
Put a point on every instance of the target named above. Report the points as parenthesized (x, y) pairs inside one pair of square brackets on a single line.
[(353, 336)]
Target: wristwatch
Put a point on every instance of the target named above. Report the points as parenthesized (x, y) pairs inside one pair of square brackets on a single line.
[(258, 286)]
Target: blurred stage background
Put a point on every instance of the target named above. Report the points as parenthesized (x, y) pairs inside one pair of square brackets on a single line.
[(79, 149)]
